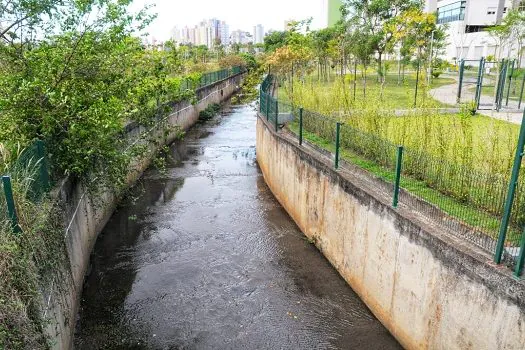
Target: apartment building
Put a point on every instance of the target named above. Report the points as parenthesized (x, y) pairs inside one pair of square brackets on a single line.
[(258, 34), (466, 22)]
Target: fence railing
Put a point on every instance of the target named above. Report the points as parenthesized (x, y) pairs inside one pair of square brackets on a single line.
[(30, 176), (491, 85), (461, 199)]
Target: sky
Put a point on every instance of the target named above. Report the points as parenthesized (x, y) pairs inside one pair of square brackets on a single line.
[(239, 14)]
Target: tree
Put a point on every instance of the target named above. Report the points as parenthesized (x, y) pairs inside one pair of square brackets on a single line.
[(371, 18), (275, 40)]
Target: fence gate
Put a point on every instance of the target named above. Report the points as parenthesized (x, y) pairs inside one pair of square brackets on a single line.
[(491, 85)]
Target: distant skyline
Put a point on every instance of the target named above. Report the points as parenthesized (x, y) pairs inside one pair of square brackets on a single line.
[(239, 14)]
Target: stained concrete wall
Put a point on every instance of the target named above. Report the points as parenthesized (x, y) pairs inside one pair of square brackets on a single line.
[(431, 290), (86, 213)]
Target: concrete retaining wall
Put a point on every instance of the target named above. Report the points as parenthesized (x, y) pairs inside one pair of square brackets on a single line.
[(85, 217), (431, 290)]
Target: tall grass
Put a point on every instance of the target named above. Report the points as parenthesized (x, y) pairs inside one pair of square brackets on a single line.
[(463, 157), (28, 261)]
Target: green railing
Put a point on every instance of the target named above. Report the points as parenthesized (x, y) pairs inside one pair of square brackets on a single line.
[(465, 201), (213, 77), (30, 176)]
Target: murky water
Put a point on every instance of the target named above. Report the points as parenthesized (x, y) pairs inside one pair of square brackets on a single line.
[(203, 257)]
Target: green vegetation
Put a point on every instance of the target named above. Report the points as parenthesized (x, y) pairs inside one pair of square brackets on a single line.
[(74, 74), (337, 96), (210, 112), (457, 162)]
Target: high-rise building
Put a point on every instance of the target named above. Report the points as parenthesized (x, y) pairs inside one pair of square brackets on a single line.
[(208, 32), (241, 37), (176, 35), (225, 34), (258, 34)]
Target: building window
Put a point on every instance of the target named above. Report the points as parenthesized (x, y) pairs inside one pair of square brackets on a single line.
[(452, 12), (491, 11), (521, 6)]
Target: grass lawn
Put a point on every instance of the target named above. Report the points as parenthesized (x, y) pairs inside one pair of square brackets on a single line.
[(337, 96)]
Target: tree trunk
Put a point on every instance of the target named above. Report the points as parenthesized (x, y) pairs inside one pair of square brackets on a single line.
[(379, 66), (399, 72), (364, 80)]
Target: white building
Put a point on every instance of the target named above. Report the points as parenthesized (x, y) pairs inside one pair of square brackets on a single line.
[(258, 34), (225, 34), (467, 21), (241, 37), (208, 33)]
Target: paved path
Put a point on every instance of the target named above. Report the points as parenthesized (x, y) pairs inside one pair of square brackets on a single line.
[(448, 94)]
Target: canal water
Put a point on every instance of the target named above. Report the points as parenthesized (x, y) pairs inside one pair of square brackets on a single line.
[(201, 256)]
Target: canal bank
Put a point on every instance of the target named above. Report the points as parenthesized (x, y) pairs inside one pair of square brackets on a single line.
[(431, 289), (85, 210), (202, 256)]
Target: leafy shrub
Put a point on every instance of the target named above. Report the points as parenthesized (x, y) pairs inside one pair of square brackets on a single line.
[(210, 112)]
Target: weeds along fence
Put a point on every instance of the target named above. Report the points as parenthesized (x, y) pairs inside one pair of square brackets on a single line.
[(210, 78), (463, 200), (28, 178)]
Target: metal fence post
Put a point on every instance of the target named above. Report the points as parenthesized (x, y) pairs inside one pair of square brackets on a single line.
[(460, 86), (399, 162), (521, 91), (521, 257), (300, 126), (267, 107), (11, 209), (510, 195), (510, 82), (44, 174), (276, 116), (479, 82), (337, 143), (501, 84)]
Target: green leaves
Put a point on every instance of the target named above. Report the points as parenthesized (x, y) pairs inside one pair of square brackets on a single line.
[(77, 86)]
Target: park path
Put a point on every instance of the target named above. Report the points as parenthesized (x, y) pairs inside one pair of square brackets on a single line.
[(448, 94)]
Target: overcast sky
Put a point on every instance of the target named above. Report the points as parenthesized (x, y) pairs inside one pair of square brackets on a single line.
[(239, 14)]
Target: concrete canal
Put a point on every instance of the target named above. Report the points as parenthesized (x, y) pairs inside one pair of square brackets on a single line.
[(201, 256)]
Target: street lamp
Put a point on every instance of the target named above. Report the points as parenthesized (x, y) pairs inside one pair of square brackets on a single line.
[(430, 57)]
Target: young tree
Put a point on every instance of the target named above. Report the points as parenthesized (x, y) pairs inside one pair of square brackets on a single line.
[(371, 18)]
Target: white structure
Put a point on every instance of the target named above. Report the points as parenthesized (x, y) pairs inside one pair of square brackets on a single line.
[(208, 32), (241, 37), (258, 34), (467, 21)]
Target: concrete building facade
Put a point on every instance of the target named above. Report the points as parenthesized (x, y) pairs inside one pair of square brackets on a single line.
[(466, 22), (258, 34)]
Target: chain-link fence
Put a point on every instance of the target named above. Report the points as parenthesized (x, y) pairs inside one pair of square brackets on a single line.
[(464, 201)]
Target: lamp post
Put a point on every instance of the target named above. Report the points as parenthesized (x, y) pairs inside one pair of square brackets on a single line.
[(430, 57)]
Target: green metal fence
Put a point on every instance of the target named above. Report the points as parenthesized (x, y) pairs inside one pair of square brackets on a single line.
[(465, 201), (213, 77), (491, 85), (29, 176)]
